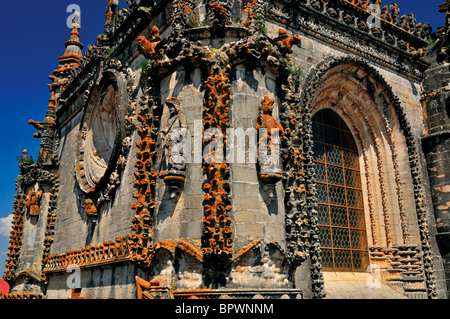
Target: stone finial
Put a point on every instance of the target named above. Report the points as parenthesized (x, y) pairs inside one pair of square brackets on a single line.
[(70, 59), (73, 45), (445, 7)]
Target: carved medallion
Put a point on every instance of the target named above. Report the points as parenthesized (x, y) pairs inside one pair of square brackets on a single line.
[(101, 135)]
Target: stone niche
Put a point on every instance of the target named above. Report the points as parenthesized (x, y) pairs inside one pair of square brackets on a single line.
[(180, 211)]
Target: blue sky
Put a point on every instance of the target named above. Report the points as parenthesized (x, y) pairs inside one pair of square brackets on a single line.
[(32, 37)]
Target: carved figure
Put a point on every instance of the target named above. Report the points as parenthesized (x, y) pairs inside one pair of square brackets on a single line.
[(268, 162), (403, 23), (173, 164), (89, 207), (33, 202)]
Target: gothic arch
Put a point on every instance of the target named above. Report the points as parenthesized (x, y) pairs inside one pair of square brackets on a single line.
[(368, 105)]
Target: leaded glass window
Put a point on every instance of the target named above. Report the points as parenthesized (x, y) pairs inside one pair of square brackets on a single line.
[(342, 232)]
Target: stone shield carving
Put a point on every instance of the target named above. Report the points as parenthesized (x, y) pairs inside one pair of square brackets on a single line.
[(101, 135)]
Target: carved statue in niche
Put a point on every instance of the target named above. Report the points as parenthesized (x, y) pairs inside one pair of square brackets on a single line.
[(173, 162), (270, 131), (33, 202)]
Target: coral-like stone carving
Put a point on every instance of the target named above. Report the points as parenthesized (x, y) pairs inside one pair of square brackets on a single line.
[(285, 42), (27, 295), (219, 15), (109, 252), (183, 15), (147, 47), (16, 237), (146, 176), (216, 240), (250, 7), (33, 202)]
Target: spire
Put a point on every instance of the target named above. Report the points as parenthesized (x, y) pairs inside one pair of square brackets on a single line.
[(70, 59), (73, 53)]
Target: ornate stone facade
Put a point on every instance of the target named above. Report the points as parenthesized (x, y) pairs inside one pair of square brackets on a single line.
[(110, 196)]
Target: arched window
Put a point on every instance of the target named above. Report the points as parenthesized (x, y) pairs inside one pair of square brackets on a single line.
[(342, 232)]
